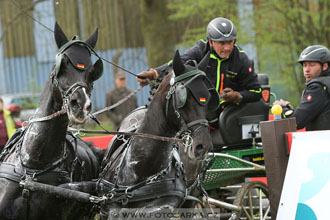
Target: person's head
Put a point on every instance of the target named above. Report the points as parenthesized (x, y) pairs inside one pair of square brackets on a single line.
[(120, 80), (315, 60), (221, 34)]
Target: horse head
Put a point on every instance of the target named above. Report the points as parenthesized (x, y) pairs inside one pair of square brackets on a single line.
[(73, 74), (43, 151), (178, 111), (193, 96)]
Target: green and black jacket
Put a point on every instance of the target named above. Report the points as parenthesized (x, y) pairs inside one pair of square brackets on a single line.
[(235, 72)]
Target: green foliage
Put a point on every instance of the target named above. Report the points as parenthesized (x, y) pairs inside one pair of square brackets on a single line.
[(194, 11), (283, 28)]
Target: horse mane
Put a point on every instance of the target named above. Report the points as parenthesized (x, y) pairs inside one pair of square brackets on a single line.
[(158, 101)]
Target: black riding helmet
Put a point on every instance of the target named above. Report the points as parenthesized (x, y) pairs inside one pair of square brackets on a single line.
[(221, 29), (315, 53)]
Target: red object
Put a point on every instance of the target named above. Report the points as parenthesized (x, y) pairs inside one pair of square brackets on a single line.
[(289, 138), (13, 108), (101, 142), (265, 95), (261, 179)]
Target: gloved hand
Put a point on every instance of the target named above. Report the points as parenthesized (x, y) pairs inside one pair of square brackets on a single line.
[(283, 103), (230, 95), (149, 74)]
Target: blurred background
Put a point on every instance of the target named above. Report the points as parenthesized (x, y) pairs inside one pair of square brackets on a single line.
[(139, 34)]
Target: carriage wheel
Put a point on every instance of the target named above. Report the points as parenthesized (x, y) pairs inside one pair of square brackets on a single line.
[(253, 198)]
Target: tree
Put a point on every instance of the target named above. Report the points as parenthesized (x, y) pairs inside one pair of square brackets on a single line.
[(157, 31), (283, 29)]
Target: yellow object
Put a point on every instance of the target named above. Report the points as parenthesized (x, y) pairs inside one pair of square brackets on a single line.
[(276, 110)]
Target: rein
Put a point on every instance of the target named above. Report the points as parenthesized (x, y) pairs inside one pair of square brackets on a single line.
[(116, 104), (186, 139)]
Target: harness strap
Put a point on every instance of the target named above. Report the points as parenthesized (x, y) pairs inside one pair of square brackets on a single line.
[(11, 172), (153, 190), (156, 186), (48, 117)]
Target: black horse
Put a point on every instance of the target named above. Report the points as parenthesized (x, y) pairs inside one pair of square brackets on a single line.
[(148, 174), (44, 151)]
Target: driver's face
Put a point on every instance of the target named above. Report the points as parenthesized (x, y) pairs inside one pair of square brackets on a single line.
[(311, 70), (222, 48)]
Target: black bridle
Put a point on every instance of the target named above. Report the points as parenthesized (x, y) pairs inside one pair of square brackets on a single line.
[(66, 94), (185, 131)]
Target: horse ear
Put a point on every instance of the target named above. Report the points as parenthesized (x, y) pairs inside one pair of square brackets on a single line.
[(91, 41), (178, 66), (98, 70), (59, 35), (203, 64)]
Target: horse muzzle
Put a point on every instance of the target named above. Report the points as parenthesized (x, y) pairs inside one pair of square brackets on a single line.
[(79, 107)]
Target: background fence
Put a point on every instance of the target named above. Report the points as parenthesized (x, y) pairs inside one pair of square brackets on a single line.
[(28, 49)]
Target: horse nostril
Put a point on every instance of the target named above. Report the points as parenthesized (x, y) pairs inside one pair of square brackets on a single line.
[(74, 102), (88, 107), (200, 151)]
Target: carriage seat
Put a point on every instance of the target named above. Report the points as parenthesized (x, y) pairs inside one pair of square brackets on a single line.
[(237, 123)]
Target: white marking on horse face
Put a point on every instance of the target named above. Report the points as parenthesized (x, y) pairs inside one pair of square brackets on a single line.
[(26, 157), (87, 103), (133, 163)]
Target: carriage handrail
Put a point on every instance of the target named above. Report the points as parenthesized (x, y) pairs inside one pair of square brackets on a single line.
[(255, 165), (223, 204), (233, 170)]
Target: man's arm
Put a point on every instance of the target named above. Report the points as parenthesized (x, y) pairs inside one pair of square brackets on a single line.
[(195, 52), (248, 80), (313, 102)]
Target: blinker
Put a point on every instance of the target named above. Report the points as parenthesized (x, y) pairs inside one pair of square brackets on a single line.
[(202, 94), (79, 54)]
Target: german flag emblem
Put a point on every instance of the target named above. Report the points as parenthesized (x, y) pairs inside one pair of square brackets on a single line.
[(202, 99), (81, 66)]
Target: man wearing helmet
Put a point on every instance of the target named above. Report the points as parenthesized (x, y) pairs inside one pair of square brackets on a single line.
[(229, 69), (314, 108)]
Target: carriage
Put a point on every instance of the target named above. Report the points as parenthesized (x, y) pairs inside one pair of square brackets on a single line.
[(236, 181), (165, 176), (235, 177)]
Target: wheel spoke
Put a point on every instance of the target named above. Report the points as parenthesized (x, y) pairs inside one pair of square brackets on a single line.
[(253, 196), (246, 212), (266, 213), (260, 202)]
